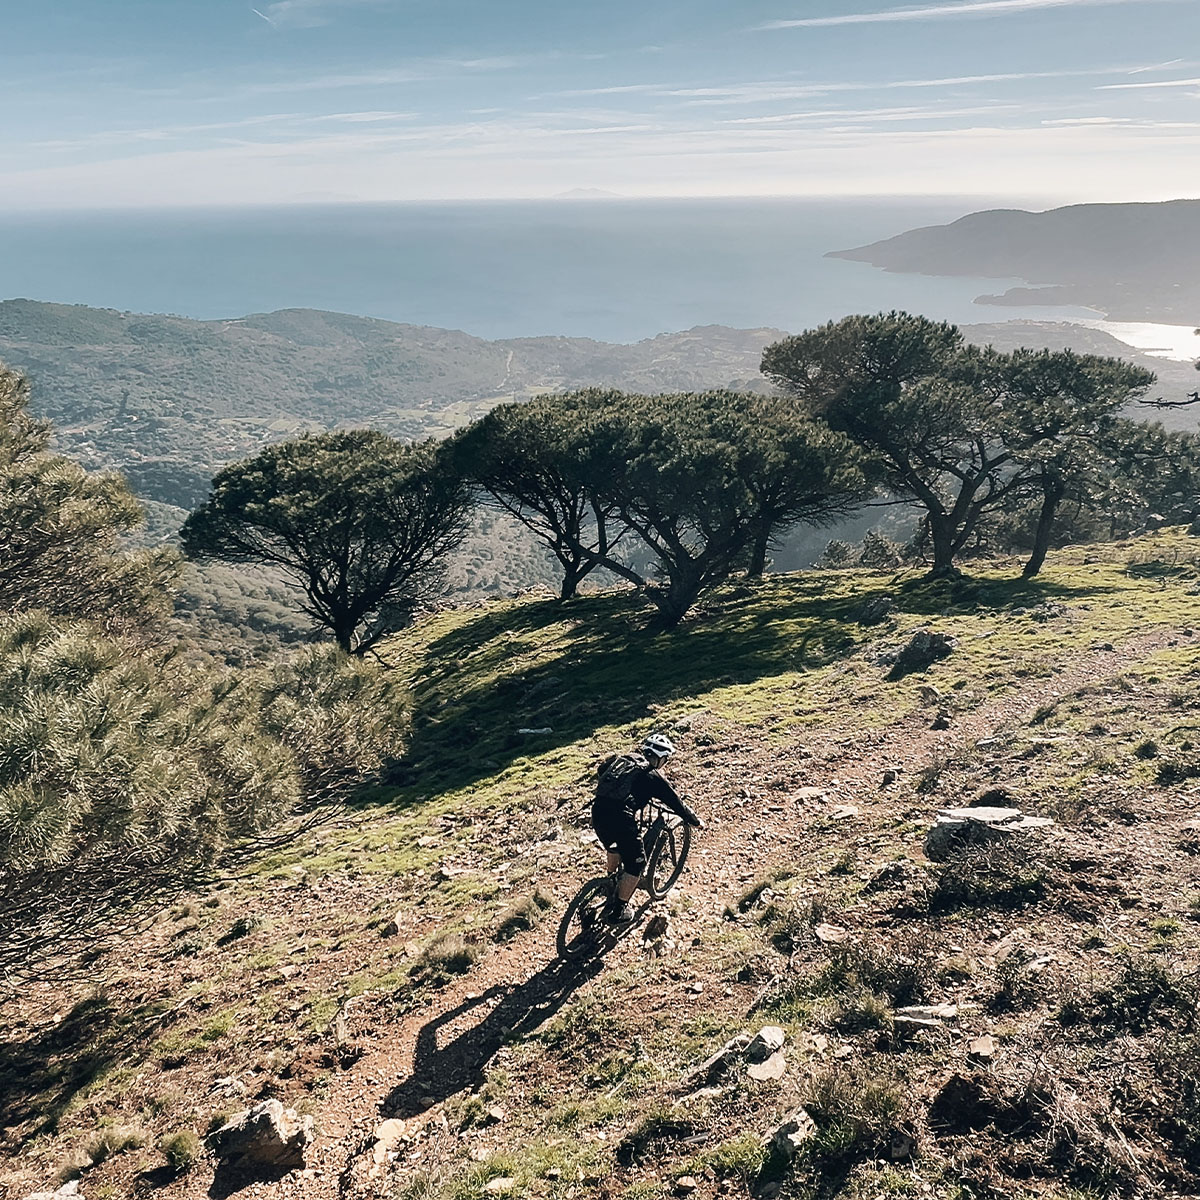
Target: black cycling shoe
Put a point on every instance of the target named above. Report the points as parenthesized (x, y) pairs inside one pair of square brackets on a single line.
[(619, 913)]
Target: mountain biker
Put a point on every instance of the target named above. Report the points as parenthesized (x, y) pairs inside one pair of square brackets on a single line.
[(626, 784)]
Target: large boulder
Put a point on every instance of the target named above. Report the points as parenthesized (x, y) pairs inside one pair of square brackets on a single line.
[(958, 828), (266, 1138)]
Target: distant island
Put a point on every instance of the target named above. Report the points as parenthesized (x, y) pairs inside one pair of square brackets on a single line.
[(588, 193), (1133, 262)]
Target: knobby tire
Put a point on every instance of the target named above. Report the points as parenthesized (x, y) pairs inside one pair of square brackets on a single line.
[(581, 931)]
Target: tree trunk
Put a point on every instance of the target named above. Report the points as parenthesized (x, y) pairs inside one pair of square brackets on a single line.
[(575, 570), (570, 581), (1041, 538), (758, 554), (679, 596), (941, 533)]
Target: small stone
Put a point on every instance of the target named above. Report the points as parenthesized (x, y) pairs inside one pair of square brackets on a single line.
[(656, 927), (767, 1041), (395, 924), (502, 1183), (844, 812), (831, 935), (390, 1131), (810, 795), (495, 1114), (889, 777), (929, 1012), (685, 1185), (982, 1048), (553, 1174), (791, 1135), (902, 1145), (696, 988), (941, 721)]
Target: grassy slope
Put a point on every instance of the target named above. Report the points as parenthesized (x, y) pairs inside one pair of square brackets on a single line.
[(283, 976)]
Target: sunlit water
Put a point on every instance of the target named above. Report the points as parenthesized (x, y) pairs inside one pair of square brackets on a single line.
[(610, 270)]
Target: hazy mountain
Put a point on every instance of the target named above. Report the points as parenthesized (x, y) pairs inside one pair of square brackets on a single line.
[(168, 400), (1135, 262)]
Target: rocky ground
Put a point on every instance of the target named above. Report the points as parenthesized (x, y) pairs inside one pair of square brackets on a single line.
[(1016, 1019)]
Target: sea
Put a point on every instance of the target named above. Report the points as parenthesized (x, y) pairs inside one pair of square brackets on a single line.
[(613, 270)]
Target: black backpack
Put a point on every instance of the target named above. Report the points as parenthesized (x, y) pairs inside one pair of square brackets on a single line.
[(615, 777)]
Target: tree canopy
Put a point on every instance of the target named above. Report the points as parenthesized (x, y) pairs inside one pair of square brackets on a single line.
[(530, 459), (672, 493), (61, 529), (957, 430), (360, 521)]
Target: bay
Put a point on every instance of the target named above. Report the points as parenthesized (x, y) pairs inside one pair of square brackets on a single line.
[(613, 270)]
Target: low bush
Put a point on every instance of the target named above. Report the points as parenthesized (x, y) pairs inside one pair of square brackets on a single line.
[(447, 955), (1005, 875), (181, 1149)]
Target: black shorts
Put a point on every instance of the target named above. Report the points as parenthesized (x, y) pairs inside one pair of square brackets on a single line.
[(618, 831)]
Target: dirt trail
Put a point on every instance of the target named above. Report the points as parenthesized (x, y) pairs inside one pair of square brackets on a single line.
[(442, 1048)]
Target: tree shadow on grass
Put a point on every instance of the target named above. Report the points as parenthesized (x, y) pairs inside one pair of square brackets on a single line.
[(42, 1073), (523, 680)]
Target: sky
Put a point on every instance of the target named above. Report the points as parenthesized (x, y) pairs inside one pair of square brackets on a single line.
[(161, 103)]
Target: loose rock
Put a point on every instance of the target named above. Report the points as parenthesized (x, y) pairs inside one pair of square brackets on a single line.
[(70, 1188), (766, 1042), (923, 649), (982, 1048), (267, 1137), (771, 1068), (875, 610), (790, 1137)]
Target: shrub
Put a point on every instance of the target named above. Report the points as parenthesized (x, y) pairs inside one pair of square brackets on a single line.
[(856, 1114), (447, 955), (523, 914), (116, 1139), (181, 1149), (1006, 875)]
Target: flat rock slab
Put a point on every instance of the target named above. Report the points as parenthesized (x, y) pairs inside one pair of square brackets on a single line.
[(774, 1067), (831, 935), (957, 828)]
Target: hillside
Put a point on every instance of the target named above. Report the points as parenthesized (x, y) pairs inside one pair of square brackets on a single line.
[(397, 960), (1135, 262), (169, 400)]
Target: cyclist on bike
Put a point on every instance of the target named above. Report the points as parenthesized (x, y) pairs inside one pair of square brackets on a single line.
[(627, 783)]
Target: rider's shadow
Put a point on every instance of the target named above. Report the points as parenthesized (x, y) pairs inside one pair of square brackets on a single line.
[(507, 1012)]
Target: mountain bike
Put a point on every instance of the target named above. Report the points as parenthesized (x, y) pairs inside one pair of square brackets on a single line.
[(583, 930)]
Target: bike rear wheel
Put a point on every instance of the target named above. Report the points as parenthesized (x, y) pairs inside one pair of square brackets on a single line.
[(667, 858), (582, 929)]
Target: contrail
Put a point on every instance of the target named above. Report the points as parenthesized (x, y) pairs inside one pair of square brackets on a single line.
[(263, 15)]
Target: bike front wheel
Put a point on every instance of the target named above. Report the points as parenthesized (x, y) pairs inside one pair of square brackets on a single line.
[(581, 930), (667, 859)]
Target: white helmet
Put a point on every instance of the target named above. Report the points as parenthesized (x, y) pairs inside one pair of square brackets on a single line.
[(658, 745)]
